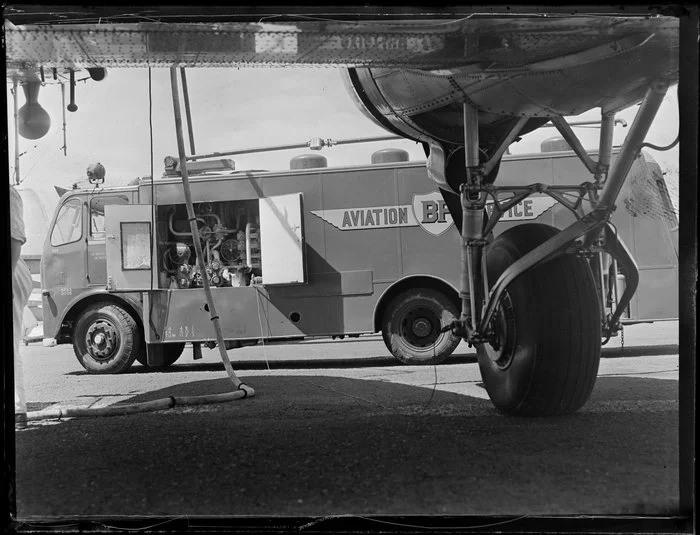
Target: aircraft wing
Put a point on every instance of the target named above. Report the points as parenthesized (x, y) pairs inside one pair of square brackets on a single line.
[(409, 76), (491, 46)]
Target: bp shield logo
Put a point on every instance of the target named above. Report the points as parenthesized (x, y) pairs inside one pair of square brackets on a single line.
[(432, 213)]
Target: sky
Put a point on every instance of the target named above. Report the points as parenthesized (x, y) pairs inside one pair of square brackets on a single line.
[(232, 109)]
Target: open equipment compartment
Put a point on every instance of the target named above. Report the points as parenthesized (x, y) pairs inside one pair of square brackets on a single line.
[(230, 236)]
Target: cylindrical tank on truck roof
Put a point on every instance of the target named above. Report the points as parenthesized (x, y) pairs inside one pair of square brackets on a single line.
[(308, 161), (554, 144), (389, 156)]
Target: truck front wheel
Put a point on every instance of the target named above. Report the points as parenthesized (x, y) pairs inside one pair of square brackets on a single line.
[(544, 355), (412, 323), (106, 339)]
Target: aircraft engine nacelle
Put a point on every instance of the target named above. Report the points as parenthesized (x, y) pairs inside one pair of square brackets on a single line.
[(423, 109)]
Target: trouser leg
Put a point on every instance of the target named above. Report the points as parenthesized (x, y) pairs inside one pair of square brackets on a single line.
[(20, 396)]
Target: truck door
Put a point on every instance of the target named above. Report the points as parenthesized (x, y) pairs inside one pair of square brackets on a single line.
[(96, 256), (281, 239), (130, 248), (64, 260)]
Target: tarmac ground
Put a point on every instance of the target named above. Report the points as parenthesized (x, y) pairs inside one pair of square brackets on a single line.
[(339, 428)]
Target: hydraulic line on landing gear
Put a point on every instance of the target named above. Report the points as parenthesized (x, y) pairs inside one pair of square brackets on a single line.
[(473, 201)]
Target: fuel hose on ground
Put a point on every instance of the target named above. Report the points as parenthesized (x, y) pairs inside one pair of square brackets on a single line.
[(133, 408)]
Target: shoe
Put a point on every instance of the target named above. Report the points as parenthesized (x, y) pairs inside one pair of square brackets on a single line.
[(21, 420)]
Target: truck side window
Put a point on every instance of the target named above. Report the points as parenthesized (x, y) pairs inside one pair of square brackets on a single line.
[(69, 223), (97, 213)]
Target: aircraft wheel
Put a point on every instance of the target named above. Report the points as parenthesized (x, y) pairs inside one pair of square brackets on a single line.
[(412, 323), (545, 353), (171, 353), (106, 339)]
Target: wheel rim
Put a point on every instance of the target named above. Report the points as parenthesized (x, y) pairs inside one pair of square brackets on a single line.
[(102, 339), (420, 327), (501, 348)]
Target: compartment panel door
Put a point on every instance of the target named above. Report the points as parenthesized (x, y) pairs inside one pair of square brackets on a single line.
[(282, 239)]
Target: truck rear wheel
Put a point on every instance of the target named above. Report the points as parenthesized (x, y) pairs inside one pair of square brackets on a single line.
[(106, 339), (547, 342), (171, 352), (411, 326)]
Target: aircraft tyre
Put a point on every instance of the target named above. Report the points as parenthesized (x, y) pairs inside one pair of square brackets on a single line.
[(548, 330), (106, 339), (171, 353), (411, 326)]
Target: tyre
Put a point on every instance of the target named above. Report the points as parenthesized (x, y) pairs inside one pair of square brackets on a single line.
[(411, 326), (547, 330), (171, 352), (106, 339)]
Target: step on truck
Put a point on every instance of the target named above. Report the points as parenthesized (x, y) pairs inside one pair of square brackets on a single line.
[(311, 251)]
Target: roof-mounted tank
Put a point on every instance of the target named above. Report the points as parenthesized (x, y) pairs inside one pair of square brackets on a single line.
[(308, 161), (389, 156), (554, 144)]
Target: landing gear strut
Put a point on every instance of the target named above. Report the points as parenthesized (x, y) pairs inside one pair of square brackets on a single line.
[(538, 327)]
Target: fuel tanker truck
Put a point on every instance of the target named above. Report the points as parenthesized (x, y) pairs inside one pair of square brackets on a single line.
[(313, 251)]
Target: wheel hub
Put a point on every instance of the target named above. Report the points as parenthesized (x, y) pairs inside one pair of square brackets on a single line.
[(501, 342), (101, 339), (421, 327)]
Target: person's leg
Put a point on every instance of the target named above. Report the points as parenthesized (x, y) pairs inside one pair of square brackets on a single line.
[(20, 396)]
